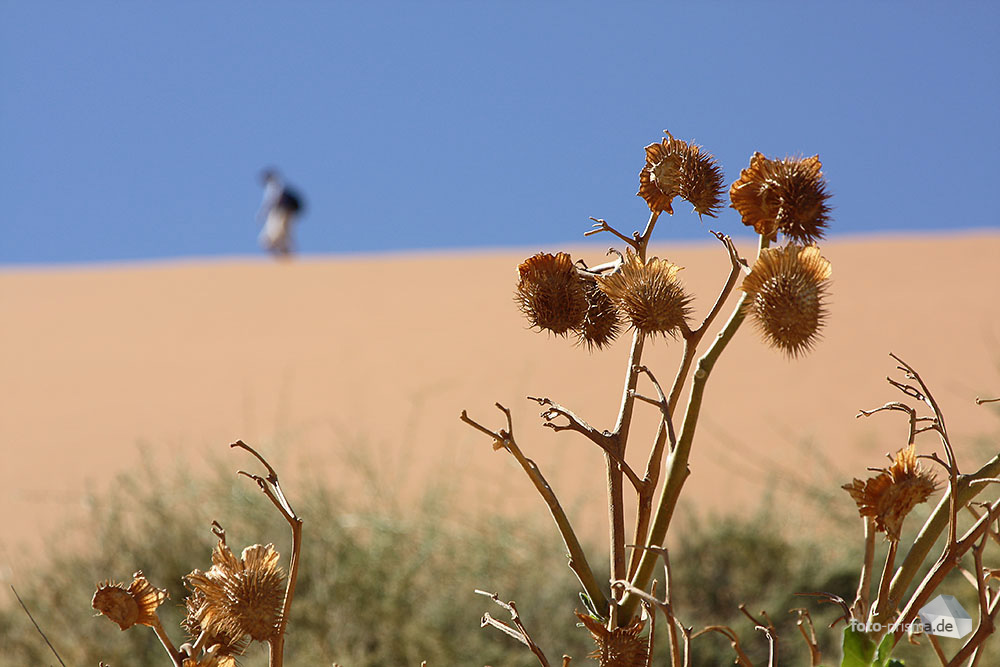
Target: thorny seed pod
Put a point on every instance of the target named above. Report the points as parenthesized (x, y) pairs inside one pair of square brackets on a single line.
[(648, 295), (228, 644), (783, 195), (241, 596), (550, 293), (212, 658), (135, 605), (786, 291), (676, 169), (601, 324), (893, 493), (621, 647)]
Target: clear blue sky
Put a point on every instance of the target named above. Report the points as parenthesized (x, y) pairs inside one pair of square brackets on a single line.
[(136, 130)]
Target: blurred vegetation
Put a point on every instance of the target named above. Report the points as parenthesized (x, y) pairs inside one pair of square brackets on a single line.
[(386, 584)]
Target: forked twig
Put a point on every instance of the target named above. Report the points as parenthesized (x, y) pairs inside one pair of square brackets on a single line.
[(767, 627), (734, 641), (602, 439), (504, 439), (272, 489), (804, 621), (518, 632), (602, 226)]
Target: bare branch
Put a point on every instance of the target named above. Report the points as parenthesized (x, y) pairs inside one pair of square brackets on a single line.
[(518, 632), (734, 641), (603, 440), (987, 609), (804, 621), (577, 558), (862, 601), (271, 488), (602, 226), (980, 401), (830, 598)]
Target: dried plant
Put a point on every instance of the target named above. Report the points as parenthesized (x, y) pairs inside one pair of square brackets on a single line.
[(784, 293), (236, 602)]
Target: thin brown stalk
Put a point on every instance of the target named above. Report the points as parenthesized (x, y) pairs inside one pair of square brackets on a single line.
[(272, 489), (882, 607), (734, 641), (862, 601), (518, 632), (987, 608), (677, 460), (934, 526), (945, 564), (803, 621), (504, 439)]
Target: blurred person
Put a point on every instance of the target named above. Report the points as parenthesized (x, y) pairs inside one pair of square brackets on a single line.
[(278, 211)]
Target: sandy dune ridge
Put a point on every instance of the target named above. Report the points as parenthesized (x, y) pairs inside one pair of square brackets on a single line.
[(320, 359)]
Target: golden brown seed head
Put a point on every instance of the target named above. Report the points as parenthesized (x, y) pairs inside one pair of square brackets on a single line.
[(240, 596), (550, 293), (783, 195), (601, 324), (892, 494), (676, 169), (649, 295), (228, 644), (212, 659), (621, 647), (786, 291), (135, 605)]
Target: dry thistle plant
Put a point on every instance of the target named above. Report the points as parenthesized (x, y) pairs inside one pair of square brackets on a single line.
[(782, 292), (237, 601), (875, 627)]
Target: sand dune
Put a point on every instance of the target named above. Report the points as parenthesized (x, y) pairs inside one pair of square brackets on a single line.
[(321, 358)]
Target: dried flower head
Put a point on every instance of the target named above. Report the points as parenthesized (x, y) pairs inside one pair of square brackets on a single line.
[(786, 291), (550, 293), (676, 169), (223, 638), (893, 493), (240, 596), (621, 647), (649, 295), (783, 195), (212, 658), (135, 605), (601, 324)]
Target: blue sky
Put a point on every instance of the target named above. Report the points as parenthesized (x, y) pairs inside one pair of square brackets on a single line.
[(136, 130)]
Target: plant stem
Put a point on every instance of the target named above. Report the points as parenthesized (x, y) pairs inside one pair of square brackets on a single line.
[(932, 530), (677, 468)]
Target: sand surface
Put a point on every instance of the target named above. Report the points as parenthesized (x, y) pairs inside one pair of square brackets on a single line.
[(320, 360)]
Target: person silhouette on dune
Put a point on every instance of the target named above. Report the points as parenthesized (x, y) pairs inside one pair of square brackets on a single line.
[(279, 209)]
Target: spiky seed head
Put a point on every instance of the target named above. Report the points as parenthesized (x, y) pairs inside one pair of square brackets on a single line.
[(648, 295), (786, 292), (601, 324), (676, 169), (783, 195), (135, 605), (893, 493), (228, 644), (701, 181), (212, 658), (660, 178), (621, 647), (240, 596), (550, 293)]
